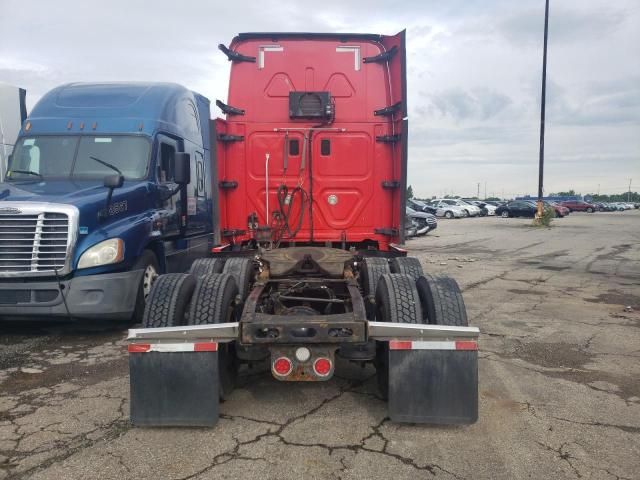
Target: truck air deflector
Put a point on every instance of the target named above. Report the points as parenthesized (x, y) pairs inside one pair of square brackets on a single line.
[(234, 56), (383, 57), (228, 109)]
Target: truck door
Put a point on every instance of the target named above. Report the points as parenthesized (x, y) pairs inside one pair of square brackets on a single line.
[(343, 172), (167, 147)]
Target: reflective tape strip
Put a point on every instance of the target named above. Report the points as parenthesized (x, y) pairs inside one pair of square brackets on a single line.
[(173, 347), (433, 345)]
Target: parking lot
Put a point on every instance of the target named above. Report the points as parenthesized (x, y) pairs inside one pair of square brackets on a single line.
[(559, 311)]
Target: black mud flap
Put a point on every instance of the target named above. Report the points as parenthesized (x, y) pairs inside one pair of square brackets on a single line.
[(429, 384), (174, 388)]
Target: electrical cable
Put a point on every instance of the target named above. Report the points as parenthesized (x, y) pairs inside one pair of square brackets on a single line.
[(64, 300)]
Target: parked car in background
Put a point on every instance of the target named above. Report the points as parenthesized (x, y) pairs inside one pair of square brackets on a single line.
[(561, 211), (579, 206), (490, 209), (424, 222), (516, 208), (465, 209), (471, 209), (420, 206), (447, 208)]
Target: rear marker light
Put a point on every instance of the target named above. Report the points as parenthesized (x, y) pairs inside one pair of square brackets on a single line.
[(322, 367), (303, 354), (282, 366)]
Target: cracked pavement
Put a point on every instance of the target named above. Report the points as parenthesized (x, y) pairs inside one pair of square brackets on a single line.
[(559, 311)]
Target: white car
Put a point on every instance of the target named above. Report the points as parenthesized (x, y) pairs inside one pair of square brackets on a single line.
[(447, 208), (469, 209), (491, 209)]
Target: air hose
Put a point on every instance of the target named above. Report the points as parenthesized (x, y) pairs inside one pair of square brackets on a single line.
[(285, 204)]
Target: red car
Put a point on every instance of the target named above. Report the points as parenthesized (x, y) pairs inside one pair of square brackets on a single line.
[(561, 210), (579, 206)]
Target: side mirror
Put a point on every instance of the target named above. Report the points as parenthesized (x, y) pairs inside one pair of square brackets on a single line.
[(113, 181), (182, 168)]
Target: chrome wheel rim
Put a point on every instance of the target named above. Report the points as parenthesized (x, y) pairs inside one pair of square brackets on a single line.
[(149, 276)]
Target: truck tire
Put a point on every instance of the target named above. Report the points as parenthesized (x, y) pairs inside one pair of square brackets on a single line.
[(149, 263), (168, 300), (407, 265), (397, 301), (371, 270), (442, 302), (213, 299), (241, 269), (206, 266), (213, 302)]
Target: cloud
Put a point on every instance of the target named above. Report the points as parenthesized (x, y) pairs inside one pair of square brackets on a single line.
[(565, 25), (478, 103), (474, 72)]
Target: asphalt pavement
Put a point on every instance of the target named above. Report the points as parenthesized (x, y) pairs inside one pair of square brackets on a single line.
[(559, 311)]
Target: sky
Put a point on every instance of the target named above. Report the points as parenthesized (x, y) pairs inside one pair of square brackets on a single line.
[(474, 75)]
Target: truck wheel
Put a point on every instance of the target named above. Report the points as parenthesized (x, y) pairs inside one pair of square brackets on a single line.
[(214, 301), (371, 270), (442, 301), (168, 300), (149, 263), (397, 301), (407, 265), (241, 269), (206, 266)]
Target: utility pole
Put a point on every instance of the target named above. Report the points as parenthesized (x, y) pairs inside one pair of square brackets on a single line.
[(598, 189), (485, 190), (629, 192), (542, 111), (478, 197)]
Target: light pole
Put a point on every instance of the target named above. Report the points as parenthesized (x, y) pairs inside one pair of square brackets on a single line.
[(542, 111), (629, 192)]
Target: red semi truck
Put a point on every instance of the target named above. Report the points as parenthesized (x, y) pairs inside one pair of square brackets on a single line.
[(310, 166)]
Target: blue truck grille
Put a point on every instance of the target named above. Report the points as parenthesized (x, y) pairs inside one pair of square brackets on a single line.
[(33, 242)]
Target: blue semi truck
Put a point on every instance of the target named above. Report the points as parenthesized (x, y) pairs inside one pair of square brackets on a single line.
[(109, 185)]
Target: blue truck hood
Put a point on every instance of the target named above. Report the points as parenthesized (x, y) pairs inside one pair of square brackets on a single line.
[(73, 192)]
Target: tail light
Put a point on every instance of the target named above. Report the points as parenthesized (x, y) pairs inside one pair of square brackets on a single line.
[(282, 366), (322, 367)]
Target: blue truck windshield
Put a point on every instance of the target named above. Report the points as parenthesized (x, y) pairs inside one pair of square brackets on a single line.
[(75, 157)]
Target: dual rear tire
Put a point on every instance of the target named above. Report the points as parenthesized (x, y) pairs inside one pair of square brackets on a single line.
[(209, 294), (414, 299)]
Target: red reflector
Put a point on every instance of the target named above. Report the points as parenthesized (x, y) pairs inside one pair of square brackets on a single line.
[(282, 366), (219, 248), (400, 345), (466, 345), (139, 347), (205, 347), (322, 366)]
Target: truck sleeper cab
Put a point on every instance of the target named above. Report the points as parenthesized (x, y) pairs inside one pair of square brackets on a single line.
[(310, 166), (92, 207)]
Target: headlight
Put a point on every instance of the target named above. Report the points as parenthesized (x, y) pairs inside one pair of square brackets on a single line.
[(103, 253)]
